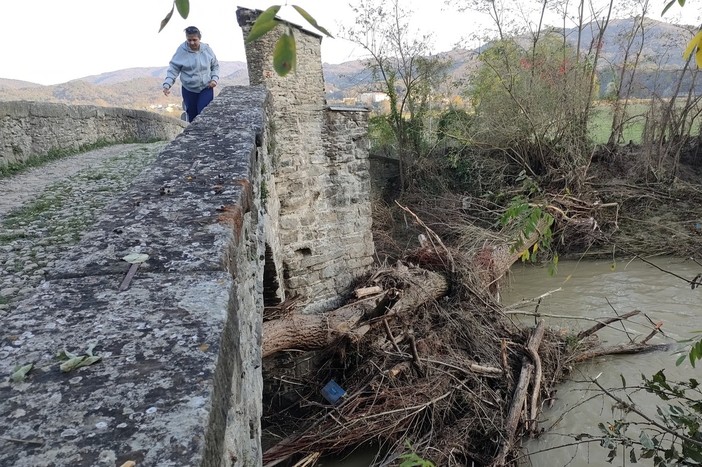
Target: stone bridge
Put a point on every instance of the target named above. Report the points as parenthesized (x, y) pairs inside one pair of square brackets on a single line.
[(35, 129), (265, 196)]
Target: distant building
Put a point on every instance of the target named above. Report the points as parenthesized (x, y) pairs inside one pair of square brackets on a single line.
[(370, 98)]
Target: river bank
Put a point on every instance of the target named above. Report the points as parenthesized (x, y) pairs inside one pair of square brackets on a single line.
[(645, 215), (618, 214)]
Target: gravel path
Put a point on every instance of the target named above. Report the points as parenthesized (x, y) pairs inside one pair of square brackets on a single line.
[(44, 210), (21, 188)]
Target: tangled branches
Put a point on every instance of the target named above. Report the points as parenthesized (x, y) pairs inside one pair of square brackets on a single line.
[(437, 365)]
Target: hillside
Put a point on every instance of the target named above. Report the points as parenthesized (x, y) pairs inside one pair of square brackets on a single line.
[(662, 49), (138, 88), (16, 84), (660, 60)]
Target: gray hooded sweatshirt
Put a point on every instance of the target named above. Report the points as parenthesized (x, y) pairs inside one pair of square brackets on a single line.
[(196, 68)]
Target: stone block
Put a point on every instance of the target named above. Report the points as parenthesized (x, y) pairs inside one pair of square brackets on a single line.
[(178, 381), (158, 344)]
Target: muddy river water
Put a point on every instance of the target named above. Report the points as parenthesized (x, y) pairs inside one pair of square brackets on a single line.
[(595, 289)]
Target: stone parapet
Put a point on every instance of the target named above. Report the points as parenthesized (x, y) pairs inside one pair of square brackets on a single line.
[(179, 377), (33, 129)]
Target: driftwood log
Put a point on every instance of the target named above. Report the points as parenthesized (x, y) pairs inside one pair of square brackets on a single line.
[(315, 331), (621, 349), (520, 395)]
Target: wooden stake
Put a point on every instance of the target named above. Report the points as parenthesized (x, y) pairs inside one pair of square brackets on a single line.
[(128, 278)]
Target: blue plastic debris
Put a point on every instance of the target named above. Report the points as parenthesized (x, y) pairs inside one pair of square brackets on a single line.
[(333, 392)]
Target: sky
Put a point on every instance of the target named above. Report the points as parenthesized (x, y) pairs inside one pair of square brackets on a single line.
[(52, 41)]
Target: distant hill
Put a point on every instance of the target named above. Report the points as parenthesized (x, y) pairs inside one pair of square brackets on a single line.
[(660, 56), (16, 84), (663, 45), (140, 88), (660, 60), (227, 70)]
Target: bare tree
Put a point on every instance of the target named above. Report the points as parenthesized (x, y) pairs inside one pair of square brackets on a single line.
[(402, 67)]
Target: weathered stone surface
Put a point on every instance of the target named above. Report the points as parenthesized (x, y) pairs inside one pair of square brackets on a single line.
[(179, 379), (321, 171), (32, 129), (155, 375)]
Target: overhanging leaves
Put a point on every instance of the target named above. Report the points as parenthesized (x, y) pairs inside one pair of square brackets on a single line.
[(165, 20), (284, 54), (183, 8), (694, 45), (311, 20), (264, 23), (671, 3)]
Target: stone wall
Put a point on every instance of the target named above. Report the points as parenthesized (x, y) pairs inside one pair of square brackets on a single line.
[(35, 128), (265, 195), (179, 380), (320, 162)]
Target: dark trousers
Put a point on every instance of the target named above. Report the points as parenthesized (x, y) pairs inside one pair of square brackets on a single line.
[(196, 101)]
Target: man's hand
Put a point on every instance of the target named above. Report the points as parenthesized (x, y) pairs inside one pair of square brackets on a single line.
[(166, 91), (212, 83)]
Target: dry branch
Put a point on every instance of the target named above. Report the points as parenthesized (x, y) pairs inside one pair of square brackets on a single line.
[(621, 349), (519, 398), (605, 322), (365, 291)]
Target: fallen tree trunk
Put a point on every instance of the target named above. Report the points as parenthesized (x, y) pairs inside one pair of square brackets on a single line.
[(309, 332), (315, 331), (492, 262)]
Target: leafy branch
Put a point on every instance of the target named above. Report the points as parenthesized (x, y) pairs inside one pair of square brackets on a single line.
[(675, 440), (529, 218)]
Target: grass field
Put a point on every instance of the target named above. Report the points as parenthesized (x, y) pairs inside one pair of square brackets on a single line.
[(601, 121)]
